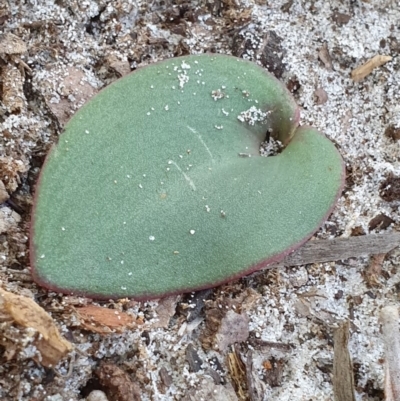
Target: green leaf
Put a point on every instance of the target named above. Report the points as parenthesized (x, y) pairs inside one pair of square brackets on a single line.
[(147, 191)]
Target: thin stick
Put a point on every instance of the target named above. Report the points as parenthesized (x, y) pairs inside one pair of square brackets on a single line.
[(320, 251)]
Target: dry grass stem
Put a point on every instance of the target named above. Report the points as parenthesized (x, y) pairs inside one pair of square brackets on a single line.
[(359, 73)]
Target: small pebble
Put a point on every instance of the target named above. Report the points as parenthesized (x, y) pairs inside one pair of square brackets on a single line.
[(97, 395)]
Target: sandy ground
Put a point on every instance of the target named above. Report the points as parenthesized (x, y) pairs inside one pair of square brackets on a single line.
[(284, 319)]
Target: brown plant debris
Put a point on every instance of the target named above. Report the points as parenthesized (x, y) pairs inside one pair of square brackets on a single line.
[(341, 19), (390, 329), (272, 54), (390, 189), (380, 222), (392, 132), (117, 384), (193, 359), (359, 73), (17, 310), (273, 371), (165, 310), (102, 320), (374, 269), (357, 231), (237, 370), (213, 321), (325, 57), (343, 377), (293, 85)]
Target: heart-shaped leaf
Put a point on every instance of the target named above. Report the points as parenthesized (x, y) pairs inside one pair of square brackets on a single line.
[(157, 185)]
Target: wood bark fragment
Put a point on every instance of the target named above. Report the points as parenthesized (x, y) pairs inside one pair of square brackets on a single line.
[(27, 313), (343, 376), (103, 320), (359, 73), (320, 251), (391, 338)]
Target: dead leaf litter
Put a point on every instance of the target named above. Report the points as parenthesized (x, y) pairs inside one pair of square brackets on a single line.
[(61, 54)]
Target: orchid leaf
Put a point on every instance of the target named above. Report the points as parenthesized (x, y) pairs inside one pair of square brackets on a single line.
[(157, 185)]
